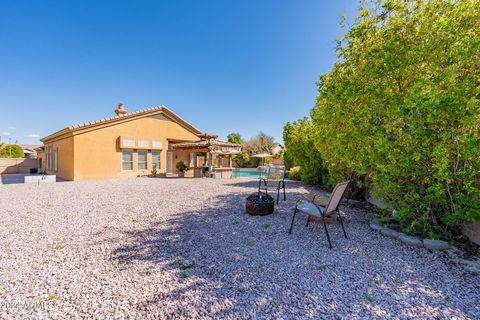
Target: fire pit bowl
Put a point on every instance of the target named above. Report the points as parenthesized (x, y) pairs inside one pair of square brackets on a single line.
[(259, 204)]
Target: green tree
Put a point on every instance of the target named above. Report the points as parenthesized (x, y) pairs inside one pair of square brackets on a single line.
[(242, 159), (235, 137), (401, 109), (11, 151)]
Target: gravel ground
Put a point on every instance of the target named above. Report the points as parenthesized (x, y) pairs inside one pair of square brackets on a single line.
[(184, 248)]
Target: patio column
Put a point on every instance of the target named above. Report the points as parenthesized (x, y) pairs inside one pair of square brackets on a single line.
[(210, 162)]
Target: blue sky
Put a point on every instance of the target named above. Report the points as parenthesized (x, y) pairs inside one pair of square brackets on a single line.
[(224, 66)]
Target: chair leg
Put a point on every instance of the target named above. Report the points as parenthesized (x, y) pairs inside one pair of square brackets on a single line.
[(293, 219), (284, 195), (341, 222), (278, 194), (308, 220), (326, 231)]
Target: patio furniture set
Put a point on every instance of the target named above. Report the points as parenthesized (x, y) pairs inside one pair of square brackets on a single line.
[(272, 178)]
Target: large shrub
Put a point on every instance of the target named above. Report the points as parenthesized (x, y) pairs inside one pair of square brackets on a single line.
[(299, 138), (401, 108), (242, 159), (294, 173)]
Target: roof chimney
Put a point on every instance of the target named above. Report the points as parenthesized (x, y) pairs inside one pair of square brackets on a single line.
[(120, 111)]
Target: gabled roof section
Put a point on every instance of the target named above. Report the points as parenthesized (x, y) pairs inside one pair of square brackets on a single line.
[(130, 115)]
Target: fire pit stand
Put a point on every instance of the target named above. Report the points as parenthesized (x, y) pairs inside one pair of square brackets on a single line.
[(259, 204)]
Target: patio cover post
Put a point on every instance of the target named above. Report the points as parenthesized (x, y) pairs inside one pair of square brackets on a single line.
[(210, 162)]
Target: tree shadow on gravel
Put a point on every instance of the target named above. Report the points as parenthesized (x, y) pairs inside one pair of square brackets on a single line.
[(224, 263)]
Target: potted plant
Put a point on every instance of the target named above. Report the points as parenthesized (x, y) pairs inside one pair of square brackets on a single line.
[(181, 167)]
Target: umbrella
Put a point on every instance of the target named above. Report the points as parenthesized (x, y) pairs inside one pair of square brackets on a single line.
[(263, 156)]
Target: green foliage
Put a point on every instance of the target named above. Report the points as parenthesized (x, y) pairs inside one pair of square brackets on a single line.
[(322, 267), (242, 159), (294, 173), (11, 151), (299, 138), (370, 299), (154, 170), (261, 143), (181, 166), (235, 137), (400, 111)]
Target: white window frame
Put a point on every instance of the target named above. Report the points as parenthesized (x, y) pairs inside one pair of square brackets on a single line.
[(122, 161), (138, 159), (159, 159), (142, 143), (46, 157), (55, 159), (157, 144), (49, 157)]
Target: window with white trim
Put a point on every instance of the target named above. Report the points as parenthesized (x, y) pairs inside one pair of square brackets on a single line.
[(49, 157), (55, 159), (127, 159), (142, 159), (142, 143), (156, 160), (46, 158)]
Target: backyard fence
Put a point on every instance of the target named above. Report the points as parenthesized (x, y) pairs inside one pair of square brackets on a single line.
[(17, 165)]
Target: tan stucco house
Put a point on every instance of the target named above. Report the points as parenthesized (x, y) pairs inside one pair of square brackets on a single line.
[(128, 144)]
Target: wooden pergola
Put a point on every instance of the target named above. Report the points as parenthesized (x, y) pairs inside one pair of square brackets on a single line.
[(212, 147)]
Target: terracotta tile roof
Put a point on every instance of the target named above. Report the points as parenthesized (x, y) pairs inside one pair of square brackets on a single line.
[(205, 143), (129, 114), (140, 112)]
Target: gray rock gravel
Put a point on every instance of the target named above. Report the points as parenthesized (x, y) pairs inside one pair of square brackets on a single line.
[(184, 249)]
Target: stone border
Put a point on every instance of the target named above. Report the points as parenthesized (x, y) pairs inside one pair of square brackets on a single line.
[(454, 254), (410, 240)]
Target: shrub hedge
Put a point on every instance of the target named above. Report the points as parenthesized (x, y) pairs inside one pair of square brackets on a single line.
[(400, 110)]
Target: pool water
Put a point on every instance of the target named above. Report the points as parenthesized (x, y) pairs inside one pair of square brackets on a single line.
[(252, 173)]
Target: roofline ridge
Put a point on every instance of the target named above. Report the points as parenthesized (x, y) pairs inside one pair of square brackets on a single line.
[(160, 107)]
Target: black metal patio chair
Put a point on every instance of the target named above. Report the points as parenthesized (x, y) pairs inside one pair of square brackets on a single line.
[(273, 179), (314, 210)]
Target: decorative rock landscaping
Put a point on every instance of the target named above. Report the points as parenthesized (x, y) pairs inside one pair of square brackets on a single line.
[(186, 249), (454, 254)]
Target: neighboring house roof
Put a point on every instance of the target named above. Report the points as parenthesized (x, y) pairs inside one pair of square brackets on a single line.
[(276, 149), (130, 115), (29, 148)]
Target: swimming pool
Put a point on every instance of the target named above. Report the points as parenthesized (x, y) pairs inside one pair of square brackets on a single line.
[(251, 173)]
